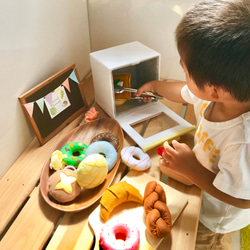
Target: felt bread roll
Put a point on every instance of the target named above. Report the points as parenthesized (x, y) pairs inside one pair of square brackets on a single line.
[(63, 186), (158, 216)]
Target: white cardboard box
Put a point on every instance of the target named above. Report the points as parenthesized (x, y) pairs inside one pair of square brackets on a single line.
[(143, 64)]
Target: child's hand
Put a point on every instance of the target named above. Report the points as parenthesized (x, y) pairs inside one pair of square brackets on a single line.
[(147, 87), (181, 158)]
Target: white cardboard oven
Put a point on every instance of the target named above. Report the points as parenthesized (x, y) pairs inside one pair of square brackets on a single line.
[(143, 64)]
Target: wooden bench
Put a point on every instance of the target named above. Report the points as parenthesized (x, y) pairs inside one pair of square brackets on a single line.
[(27, 222)]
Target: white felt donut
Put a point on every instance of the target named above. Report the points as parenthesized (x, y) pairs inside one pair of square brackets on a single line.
[(117, 234), (135, 158)]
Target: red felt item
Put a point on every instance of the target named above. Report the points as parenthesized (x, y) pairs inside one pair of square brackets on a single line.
[(160, 150)]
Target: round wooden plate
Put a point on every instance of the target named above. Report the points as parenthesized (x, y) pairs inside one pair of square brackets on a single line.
[(84, 134)]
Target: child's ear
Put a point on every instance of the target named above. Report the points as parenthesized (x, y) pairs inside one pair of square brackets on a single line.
[(217, 93)]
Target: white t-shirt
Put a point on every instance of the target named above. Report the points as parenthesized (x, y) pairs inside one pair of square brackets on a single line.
[(224, 149)]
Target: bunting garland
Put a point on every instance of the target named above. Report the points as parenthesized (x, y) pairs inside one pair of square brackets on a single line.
[(29, 107), (40, 103), (48, 99), (66, 84), (73, 77)]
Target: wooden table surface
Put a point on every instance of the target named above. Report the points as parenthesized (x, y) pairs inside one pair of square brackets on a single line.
[(28, 222)]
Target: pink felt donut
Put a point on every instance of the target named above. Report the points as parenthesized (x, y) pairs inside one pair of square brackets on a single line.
[(135, 158), (117, 234)]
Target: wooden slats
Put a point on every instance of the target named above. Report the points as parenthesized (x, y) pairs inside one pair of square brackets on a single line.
[(17, 184), (33, 225), (39, 226), (20, 180), (74, 229)]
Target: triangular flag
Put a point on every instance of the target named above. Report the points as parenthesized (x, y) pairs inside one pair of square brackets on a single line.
[(66, 84), (48, 98), (29, 107), (58, 92), (40, 103), (73, 76)]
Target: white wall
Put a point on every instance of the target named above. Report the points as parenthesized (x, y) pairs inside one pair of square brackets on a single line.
[(40, 37), (37, 39), (151, 22)]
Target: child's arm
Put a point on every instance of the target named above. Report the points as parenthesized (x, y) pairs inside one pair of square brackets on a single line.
[(182, 160), (169, 90)]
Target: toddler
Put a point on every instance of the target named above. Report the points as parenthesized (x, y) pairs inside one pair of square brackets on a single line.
[(213, 41)]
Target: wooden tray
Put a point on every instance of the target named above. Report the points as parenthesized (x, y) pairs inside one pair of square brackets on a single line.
[(134, 212), (84, 134)]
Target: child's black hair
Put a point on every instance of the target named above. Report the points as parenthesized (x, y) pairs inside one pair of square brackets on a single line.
[(213, 39)]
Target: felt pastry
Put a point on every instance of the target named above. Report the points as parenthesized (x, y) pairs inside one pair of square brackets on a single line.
[(63, 186), (74, 153), (158, 216), (109, 137), (56, 160), (92, 171), (116, 195), (104, 148), (135, 158), (117, 234)]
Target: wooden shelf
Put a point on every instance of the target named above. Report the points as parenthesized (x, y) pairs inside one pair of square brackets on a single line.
[(27, 222)]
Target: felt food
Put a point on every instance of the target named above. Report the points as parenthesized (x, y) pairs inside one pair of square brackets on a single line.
[(123, 80), (158, 216), (63, 185), (56, 160), (135, 158), (104, 148), (109, 137), (117, 234), (92, 171), (74, 153), (116, 195)]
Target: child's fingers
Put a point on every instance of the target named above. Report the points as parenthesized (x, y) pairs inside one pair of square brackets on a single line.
[(165, 144), (140, 90), (168, 148), (180, 146), (175, 144), (167, 153)]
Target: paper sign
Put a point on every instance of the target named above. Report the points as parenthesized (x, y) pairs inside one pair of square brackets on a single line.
[(57, 101)]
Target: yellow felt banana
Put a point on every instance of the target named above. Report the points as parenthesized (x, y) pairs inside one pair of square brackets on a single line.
[(116, 195)]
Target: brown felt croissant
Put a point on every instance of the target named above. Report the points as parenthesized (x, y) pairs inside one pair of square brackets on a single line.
[(158, 217)]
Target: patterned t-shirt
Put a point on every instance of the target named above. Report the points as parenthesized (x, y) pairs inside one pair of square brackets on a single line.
[(224, 149)]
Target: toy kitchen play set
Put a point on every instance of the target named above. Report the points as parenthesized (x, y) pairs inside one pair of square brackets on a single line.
[(120, 70)]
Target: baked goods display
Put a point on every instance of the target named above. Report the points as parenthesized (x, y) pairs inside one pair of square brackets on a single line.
[(109, 137), (134, 212), (83, 133), (63, 186), (119, 235), (88, 164), (67, 179), (104, 148), (116, 227), (73, 153), (135, 158), (116, 195), (92, 171), (158, 216)]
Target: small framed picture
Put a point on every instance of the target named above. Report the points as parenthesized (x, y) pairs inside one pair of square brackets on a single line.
[(55, 102)]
